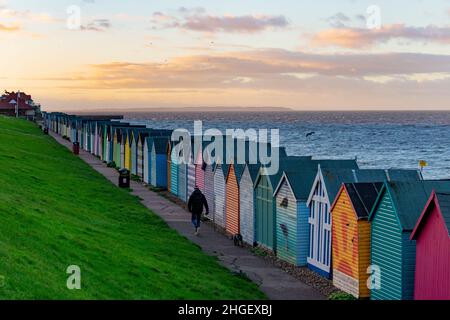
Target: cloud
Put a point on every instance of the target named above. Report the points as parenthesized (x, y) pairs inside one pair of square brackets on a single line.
[(26, 16), (362, 37), (338, 20), (98, 25), (270, 77), (266, 69), (9, 28), (198, 20)]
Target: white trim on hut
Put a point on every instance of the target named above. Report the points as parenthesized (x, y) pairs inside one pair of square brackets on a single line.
[(320, 226)]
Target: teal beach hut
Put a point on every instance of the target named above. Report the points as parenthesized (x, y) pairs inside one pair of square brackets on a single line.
[(159, 161), (393, 219)]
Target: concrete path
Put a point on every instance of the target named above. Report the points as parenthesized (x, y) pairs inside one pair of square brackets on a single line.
[(273, 281)]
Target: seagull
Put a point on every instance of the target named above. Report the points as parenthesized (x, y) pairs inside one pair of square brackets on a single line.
[(309, 134)]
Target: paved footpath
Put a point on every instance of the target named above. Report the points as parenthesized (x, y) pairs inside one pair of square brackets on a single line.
[(273, 281)]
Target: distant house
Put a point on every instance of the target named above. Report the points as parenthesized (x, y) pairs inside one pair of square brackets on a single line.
[(26, 107)]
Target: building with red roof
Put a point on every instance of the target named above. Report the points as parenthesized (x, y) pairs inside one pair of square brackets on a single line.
[(12, 103)]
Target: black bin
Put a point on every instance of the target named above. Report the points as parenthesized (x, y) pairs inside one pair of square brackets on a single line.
[(76, 148), (124, 178), (45, 130)]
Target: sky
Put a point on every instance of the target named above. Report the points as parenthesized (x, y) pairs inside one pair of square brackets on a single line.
[(82, 55)]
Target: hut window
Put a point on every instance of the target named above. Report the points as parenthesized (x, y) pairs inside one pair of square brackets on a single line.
[(284, 203)]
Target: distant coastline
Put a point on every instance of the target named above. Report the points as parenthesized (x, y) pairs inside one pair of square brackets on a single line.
[(209, 110)]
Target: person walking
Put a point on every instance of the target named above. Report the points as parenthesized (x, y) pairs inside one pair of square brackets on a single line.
[(196, 202)]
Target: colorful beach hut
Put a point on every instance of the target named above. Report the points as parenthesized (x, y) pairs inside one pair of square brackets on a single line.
[(265, 206), (159, 161), (182, 177), (351, 236), (141, 146), (432, 236), (134, 151), (117, 146), (292, 229), (219, 217), (144, 154), (232, 207), (128, 137), (327, 183), (393, 218), (209, 187), (200, 167), (191, 170), (174, 166), (246, 202)]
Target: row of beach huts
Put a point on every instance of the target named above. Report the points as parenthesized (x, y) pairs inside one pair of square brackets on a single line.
[(379, 234)]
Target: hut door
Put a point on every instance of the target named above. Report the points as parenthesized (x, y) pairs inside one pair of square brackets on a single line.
[(320, 230)]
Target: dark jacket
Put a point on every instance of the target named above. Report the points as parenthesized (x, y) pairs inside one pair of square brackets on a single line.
[(196, 202)]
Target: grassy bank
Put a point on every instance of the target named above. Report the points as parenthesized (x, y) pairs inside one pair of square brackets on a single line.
[(56, 211)]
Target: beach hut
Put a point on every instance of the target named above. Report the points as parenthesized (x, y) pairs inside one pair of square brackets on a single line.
[(393, 218), (232, 207), (324, 190), (246, 202), (292, 228), (265, 206), (117, 149), (200, 167), (182, 178), (220, 171), (174, 165), (169, 165), (351, 236), (209, 187), (93, 136), (432, 236), (191, 170), (142, 148), (134, 151), (128, 135), (99, 139), (159, 161), (109, 143)]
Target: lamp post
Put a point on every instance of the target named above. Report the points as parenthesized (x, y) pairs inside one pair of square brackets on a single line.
[(17, 104)]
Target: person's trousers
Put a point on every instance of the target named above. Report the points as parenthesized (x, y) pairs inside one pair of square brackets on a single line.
[(196, 220)]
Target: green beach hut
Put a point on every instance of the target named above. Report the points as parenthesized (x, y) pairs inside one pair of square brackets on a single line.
[(393, 254)]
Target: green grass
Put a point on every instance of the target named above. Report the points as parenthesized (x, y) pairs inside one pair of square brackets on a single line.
[(56, 211)]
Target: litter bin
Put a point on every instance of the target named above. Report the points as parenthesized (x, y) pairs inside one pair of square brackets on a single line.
[(76, 148), (45, 130), (124, 178)]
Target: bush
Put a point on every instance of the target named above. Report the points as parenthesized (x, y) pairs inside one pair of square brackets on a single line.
[(111, 165), (341, 296)]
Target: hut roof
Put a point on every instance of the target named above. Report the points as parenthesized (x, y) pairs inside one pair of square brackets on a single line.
[(160, 144), (363, 196), (334, 177), (409, 199), (301, 172), (443, 200), (300, 182), (444, 205)]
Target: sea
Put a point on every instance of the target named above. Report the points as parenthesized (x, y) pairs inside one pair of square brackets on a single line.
[(380, 140)]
